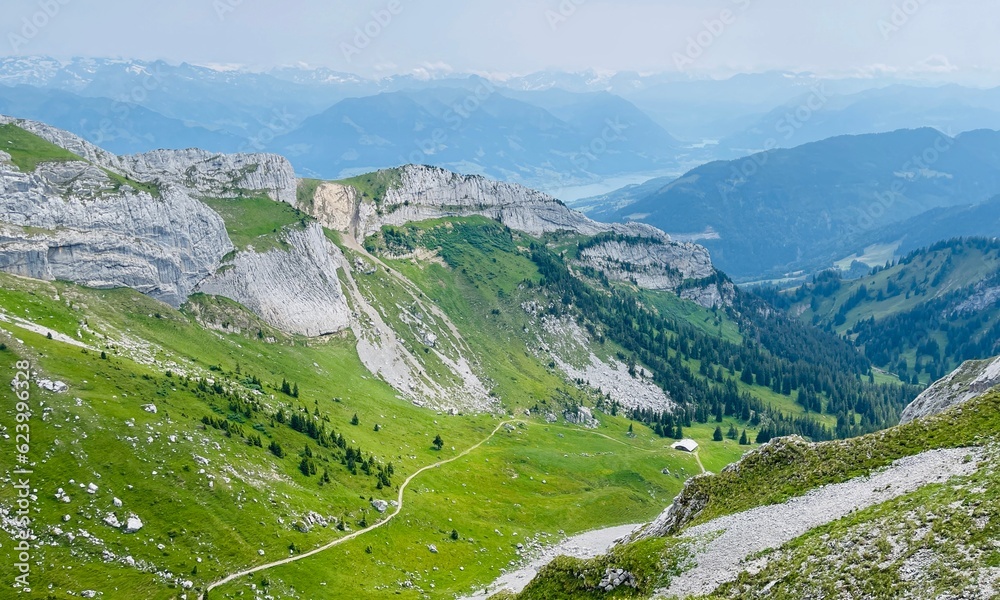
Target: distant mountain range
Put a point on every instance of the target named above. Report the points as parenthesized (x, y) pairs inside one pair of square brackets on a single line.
[(808, 207), (481, 130), (550, 130)]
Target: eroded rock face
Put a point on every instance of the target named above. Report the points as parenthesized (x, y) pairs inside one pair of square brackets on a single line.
[(650, 259), (296, 290), (216, 175), (969, 381), (336, 207), (67, 221)]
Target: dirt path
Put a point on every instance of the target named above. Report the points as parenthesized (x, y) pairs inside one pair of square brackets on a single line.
[(700, 466), (359, 533)]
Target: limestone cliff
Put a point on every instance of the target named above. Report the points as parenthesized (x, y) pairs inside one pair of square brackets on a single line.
[(418, 193), (295, 290), (971, 380), (73, 221)]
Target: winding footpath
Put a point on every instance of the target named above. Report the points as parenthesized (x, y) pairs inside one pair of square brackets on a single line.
[(359, 533)]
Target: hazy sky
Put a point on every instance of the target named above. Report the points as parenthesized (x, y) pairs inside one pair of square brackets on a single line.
[(520, 36)]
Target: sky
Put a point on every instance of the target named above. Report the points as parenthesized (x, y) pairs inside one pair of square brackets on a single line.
[(507, 37)]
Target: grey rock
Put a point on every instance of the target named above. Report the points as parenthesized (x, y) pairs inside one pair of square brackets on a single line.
[(72, 221), (132, 525), (969, 381), (582, 416), (296, 290)]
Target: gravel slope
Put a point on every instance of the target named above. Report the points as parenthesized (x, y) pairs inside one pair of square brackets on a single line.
[(585, 545), (735, 537)]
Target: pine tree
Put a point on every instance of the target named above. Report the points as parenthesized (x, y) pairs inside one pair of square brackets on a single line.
[(355, 420), (744, 441), (454, 534), (717, 436), (276, 449), (438, 442), (630, 431)]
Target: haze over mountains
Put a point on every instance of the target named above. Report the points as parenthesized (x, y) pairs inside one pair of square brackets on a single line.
[(550, 130), (806, 208)]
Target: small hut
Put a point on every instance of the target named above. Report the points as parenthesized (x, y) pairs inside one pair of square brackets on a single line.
[(686, 445)]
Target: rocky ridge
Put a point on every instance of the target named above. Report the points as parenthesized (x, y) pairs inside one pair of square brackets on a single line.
[(296, 291), (650, 258), (971, 380)]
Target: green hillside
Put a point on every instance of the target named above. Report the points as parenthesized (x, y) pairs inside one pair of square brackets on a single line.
[(953, 525), (254, 430), (919, 317)]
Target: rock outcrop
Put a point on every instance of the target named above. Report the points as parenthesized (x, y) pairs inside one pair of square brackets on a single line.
[(969, 381), (216, 175), (73, 221), (296, 290), (644, 255)]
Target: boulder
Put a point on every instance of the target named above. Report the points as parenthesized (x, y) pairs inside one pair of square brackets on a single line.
[(132, 525)]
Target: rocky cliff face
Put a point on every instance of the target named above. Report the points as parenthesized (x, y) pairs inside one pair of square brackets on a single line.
[(197, 171), (71, 221), (969, 381), (295, 290), (217, 175), (651, 259), (74, 221)]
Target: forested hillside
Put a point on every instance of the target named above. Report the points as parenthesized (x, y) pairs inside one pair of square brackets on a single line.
[(918, 317)]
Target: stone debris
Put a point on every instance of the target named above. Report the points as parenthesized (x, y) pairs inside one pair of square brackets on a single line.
[(380, 505), (57, 387), (132, 525), (734, 537), (616, 578)]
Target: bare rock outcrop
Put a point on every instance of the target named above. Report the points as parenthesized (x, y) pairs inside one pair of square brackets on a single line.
[(72, 221), (216, 175), (296, 290), (971, 380), (644, 255)]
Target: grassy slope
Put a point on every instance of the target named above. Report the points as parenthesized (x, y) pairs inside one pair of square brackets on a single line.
[(782, 471), (970, 268), (256, 222), (935, 542), (28, 150), (373, 186), (619, 482)]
